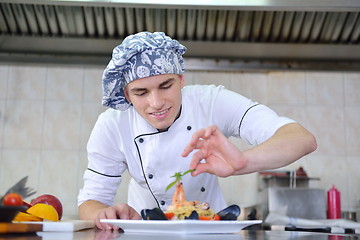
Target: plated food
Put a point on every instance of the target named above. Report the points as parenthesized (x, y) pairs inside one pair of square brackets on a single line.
[(180, 209)]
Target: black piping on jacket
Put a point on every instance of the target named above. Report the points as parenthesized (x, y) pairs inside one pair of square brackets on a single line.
[(244, 116), (103, 174), (142, 166)]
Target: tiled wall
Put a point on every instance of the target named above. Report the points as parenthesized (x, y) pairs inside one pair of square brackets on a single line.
[(47, 113)]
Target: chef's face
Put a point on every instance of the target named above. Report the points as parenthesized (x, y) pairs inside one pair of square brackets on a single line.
[(157, 99)]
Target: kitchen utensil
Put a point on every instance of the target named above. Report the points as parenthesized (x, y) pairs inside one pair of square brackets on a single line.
[(20, 188)]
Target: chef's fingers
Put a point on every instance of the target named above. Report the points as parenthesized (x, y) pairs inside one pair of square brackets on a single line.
[(102, 225), (201, 168), (134, 215), (195, 161), (198, 138), (188, 149), (127, 212), (196, 142), (99, 224), (109, 213), (212, 130), (120, 211)]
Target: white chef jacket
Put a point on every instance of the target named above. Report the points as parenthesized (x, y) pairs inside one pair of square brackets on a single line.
[(123, 140)]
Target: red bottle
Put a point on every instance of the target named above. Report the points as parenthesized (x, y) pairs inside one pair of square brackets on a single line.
[(334, 206)]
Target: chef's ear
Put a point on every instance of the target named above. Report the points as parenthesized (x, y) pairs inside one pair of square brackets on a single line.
[(126, 94), (182, 82)]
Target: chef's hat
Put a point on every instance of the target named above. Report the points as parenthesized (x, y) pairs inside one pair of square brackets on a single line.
[(140, 55)]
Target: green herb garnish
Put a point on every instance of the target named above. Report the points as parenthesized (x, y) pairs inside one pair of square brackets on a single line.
[(178, 177)]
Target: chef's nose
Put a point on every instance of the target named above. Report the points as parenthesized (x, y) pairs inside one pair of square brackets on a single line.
[(156, 100)]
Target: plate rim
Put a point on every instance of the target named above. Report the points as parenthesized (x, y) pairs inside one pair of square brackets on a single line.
[(181, 226), (175, 222)]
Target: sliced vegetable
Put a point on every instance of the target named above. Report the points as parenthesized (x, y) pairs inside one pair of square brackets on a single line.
[(216, 217), (169, 215), (26, 217)]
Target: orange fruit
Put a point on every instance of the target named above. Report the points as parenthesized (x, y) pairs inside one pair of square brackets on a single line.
[(44, 211), (25, 217)]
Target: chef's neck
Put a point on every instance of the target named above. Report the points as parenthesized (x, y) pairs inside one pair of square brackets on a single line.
[(165, 129)]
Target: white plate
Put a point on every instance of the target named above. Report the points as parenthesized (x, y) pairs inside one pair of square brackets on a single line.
[(180, 226)]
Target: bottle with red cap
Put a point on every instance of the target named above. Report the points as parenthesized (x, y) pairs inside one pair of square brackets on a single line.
[(334, 205)]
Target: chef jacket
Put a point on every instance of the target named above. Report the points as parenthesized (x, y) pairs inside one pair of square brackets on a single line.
[(123, 140)]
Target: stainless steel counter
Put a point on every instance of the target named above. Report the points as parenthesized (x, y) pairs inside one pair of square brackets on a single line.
[(93, 234)]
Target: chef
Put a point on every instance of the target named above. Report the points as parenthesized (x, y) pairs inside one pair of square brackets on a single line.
[(156, 126)]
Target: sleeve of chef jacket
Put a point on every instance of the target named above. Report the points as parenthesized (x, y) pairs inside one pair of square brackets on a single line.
[(241, 117), (105, 166)]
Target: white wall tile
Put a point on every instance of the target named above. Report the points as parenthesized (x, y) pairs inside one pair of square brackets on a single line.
[(188, 78), (82, 166), (325, 88), (23, 124), (58, 177), (352, 88), (286, 88), (26, 82), (93, 84), (64, 83), (216, 78), (328, 126), (62, 125), (250, 85), (90, 113), (352, 201), (352, 126), (2, 187), (4, 76), (2, 120)]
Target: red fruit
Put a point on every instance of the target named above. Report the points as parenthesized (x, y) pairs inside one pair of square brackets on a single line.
[(50, 200), (12, 199)]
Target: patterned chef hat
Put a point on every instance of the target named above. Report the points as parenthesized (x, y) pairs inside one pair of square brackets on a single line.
[(140, 55)]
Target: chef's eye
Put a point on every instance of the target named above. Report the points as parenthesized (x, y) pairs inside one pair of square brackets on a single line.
[(166, 86), (140, 93)]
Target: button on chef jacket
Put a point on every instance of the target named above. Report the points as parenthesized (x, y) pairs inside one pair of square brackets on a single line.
[(123, 140)]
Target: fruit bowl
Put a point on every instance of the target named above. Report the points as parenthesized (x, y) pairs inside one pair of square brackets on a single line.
[(8, 213)]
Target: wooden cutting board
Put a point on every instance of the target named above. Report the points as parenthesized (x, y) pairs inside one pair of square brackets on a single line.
[(47, 226), (20, 227)]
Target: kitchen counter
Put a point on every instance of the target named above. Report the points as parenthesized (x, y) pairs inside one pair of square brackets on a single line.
[(95, 234)]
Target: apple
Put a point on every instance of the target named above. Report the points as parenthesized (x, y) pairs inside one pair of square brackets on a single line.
[(50, 200)]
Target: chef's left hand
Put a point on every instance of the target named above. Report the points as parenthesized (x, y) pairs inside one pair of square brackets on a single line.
[(118, 211)]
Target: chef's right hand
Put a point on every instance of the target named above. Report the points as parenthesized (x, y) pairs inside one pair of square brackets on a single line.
[(222, 157), (118, 211)]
